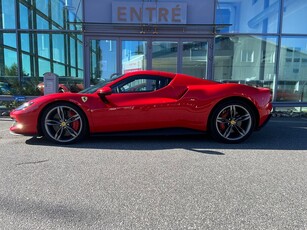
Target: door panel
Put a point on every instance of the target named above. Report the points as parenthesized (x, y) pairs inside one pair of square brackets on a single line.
[(139, 110)]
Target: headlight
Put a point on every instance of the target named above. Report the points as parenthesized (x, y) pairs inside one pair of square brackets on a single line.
[(24, 106)]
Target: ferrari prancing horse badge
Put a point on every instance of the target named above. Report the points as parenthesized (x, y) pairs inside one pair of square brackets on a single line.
[(84, 99)]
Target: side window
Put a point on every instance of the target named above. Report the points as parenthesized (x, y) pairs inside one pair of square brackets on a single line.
[(145, 83)]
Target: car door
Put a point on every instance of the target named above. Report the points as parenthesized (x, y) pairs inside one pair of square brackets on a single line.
[(138, 103)]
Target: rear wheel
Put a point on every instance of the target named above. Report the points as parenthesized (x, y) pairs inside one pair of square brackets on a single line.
[(64, 123), (232, 122)]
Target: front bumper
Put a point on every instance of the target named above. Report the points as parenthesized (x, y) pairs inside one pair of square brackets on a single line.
[(23, 124)]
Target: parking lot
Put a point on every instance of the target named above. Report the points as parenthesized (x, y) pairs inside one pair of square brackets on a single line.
[(156, 182)]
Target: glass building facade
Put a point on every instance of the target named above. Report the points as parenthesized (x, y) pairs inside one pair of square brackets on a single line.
[(255, 42), (39, 36), (265, 44)]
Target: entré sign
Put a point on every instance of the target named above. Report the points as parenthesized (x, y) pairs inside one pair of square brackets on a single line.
[(149, 12)]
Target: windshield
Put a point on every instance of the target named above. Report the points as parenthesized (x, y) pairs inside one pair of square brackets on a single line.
[(94, 88)]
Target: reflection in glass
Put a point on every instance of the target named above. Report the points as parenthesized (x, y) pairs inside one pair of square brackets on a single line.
[(54, 15), (24, 16), (80, 73), (259, 16), (295, 17), (245, 59), (11, 62), (133, 56), (194, 58), (42, 6), (40, 51), (43, 45), (9, 39), (9, 71), (164, 56), (25, 42), (8, 14), (26, 65), (44, 66), (79, 44), (58, 48), (73, 58), (73, 72), (41, 23), (59, 69), (103, 60), (292, 78), (57, 12)]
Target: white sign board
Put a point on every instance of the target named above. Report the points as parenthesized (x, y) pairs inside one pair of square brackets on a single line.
[(149, 12), (51, 83)]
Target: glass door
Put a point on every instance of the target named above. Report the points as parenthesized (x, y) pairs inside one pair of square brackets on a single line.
[(165, 55), (109, 57), (195, 58), (181, 56), (133, 55), (103, 60)]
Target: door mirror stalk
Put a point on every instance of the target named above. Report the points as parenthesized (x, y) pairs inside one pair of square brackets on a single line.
[(103, 92)]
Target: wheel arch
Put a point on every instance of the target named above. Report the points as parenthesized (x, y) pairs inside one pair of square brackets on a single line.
[(39, 128), (235, 98)]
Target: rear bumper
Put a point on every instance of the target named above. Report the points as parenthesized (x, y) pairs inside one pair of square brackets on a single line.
[(265, 122)]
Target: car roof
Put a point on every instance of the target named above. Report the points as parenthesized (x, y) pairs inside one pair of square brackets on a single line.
[(151, 72), (180, 78)]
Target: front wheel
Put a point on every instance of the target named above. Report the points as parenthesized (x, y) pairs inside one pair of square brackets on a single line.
[(63, 123), (232, 122)]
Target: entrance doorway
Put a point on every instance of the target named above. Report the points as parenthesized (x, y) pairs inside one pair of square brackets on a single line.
[(116, 56)]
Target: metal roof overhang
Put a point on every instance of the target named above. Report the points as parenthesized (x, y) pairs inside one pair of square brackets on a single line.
[(153, 29)]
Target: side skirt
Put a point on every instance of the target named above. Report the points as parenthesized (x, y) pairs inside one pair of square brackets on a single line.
[(154, 132)]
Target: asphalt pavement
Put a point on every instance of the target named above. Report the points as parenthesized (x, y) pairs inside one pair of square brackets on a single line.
[(156, 182)]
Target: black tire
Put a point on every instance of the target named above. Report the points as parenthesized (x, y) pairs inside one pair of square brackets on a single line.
[(64, 123), (232, 122)]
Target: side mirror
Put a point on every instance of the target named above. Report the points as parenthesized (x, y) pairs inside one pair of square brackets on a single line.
[(103, 92)]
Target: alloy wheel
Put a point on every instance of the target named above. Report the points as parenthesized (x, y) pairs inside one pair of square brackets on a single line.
[(234, 122), (63, 124)]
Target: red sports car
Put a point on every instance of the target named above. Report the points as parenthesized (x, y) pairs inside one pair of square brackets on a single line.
[(147, 100)]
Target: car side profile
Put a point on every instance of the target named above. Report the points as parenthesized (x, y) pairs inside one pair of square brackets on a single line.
[(147, 100)]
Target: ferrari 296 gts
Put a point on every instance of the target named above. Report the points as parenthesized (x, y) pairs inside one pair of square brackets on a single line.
[(147, 100)]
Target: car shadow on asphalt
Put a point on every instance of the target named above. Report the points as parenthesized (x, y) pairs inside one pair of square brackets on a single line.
[(279, 134)]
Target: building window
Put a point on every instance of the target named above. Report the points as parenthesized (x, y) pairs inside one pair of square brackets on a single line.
[(103, 60), (292, 69), (53, 43), (247, 55), (295, 17), (245, 59), (8, 14), (262, 16)]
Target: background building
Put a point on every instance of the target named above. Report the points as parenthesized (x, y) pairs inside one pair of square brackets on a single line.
[(257, 42)]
